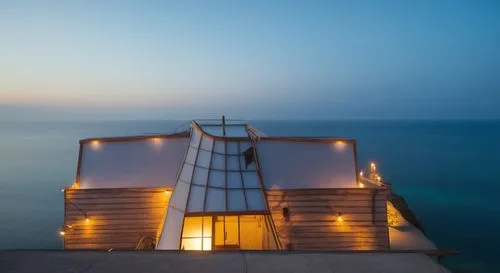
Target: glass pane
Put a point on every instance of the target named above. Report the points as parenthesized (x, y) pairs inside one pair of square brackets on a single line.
[(196, 199), (207, 143), (219, 232), (217, 179), (207, 243), (219, 147), (231, 225), (191, 244), (200, 176), (255, 200), (179, 197), (232, 163), (218, 162), (195, 138), (232, 148), (244, 145), (203, 158), (187, 172), (191, 155), (207, 226), (216, 200), (234, 180), (250, 167), (250, 180), (192, 227), (252, 232), (213, 130), (235, 200), (236, 131)]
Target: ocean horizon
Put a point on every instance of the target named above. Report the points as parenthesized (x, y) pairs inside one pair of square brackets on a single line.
[(445, 169)]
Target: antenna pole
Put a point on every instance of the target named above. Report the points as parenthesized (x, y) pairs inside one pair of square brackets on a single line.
[(223, 125)]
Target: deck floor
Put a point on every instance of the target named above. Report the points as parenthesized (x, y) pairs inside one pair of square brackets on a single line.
[(237, 262)]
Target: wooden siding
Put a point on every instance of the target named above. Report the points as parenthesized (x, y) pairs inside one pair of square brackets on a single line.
[(118, 218), (312, 218)]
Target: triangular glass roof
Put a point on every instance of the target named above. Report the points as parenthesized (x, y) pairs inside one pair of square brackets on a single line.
[(218, 177)]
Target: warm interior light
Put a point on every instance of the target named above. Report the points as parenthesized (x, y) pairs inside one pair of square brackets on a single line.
[(378, 178), (167, 193), (87, 219), (361, 185), (74, 185), (372, 166), (62, 233)]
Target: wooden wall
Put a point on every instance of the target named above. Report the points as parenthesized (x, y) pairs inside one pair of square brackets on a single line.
[(312, 223), (119, 218)]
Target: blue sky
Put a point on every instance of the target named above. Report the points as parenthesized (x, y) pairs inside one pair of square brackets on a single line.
[(249, 59)]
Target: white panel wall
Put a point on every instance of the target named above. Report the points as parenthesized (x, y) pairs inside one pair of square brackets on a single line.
[(294, 165), (132, 164)]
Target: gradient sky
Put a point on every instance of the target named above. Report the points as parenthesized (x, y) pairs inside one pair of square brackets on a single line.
[(249, 59)]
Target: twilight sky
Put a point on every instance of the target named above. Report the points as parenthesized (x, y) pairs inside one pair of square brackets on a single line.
[(249, 59)]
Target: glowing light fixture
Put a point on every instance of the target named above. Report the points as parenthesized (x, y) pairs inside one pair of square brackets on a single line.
[(361, 173), (167, 193), (339, 217), (156, 142), (339, 145), (87, 219), (62, 190), (95, 145), (62, 233), (361, 185)]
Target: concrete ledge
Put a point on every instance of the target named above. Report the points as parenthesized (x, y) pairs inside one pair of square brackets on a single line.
[(234, 262)]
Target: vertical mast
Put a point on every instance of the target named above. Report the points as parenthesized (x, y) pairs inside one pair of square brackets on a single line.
[(223, 126)]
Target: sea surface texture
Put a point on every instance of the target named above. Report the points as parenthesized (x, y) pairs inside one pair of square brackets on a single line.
[(446, 170)]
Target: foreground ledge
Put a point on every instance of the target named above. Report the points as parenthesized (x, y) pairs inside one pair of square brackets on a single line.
[(234, 262)]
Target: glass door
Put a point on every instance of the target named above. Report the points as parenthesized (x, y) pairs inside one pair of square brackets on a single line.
[(226, 233)]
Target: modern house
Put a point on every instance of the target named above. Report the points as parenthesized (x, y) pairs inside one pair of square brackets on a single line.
[(223, 185)]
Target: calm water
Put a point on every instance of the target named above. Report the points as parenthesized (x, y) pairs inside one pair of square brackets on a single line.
[(446, 170)]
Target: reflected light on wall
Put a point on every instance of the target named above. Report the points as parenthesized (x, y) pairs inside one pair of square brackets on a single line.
[(156, 142), (95, 145), (340, 145)]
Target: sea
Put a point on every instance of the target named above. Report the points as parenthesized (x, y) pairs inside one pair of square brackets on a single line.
[(447, 171)]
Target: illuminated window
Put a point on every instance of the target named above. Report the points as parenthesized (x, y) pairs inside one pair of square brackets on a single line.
[(197, 233)]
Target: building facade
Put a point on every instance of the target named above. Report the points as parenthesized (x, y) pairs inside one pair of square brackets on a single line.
[(222, 186)]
